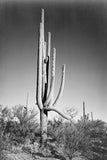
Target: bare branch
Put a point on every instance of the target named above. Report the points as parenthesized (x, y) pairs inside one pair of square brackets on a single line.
[(55, 110), (72, 112)]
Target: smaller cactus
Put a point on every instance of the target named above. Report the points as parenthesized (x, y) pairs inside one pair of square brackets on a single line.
[(84, 115), (27, 99), (92, 116)]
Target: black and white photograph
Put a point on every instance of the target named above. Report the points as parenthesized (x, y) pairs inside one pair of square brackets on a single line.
[(53, 79)]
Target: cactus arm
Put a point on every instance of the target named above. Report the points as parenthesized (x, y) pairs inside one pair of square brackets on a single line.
[(57, 111), (48, 60), (42, 16), (43, 70), (42, 22), (45, 47), (39, 71), (49, 43), (50, 95), (61, 86), (45, 74), (53, 62)]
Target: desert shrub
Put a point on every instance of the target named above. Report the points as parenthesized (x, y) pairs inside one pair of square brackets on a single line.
[(65, 136), (1, 147), (18, 124), (4, 145), (90, 139), (55, 129), (72, 140), (4, 140), (55, 136), (31, 148), (98, 135), (86, 139), (24, 128)]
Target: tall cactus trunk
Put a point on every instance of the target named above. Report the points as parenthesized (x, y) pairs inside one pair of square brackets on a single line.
[(43, 127)]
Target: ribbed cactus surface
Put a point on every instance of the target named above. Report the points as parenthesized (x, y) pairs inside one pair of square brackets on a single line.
[(46, 78)]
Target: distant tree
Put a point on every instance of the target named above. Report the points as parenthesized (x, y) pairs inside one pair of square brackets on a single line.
[(72, 112)]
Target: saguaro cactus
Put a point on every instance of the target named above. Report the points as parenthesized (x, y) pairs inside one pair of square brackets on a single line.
[(84, 115), (92, 116), (46, 73)]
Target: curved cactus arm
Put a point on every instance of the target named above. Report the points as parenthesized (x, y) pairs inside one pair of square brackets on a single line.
[(61, 86), (57, 111), (50, 95), (39, 71)]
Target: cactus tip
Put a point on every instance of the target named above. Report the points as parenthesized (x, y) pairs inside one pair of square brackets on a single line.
[(54, 50), (42, 16), (63, 68), (49, 33), (42, 10)]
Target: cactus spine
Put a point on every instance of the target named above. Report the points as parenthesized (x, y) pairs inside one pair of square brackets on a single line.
[(45, 89)]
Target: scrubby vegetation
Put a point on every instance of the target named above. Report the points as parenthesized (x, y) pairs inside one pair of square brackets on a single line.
[(19, 133)]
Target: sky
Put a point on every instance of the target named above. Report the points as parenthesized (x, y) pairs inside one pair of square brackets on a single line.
[(79, 34)]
